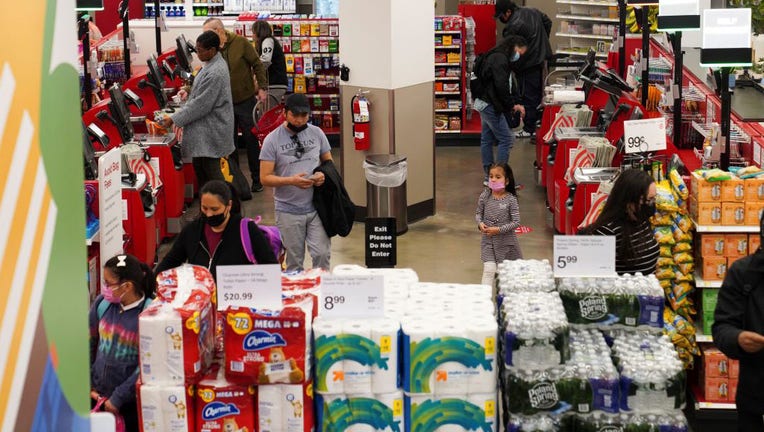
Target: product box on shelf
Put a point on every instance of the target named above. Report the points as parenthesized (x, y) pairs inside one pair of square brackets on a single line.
[(716, 389), (285, 407), (712, 245), (165, 408), (734, 369), (472, 412), (703, 190), (706, 212), (754, 189), (224, 406), (733, 190), (715, 363), (708, 306), (735, 245), (733, 390), (733, 213), (753, 211), (360, 412), (714, 268), (754, 241)]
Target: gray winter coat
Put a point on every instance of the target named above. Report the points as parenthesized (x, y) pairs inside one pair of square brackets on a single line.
[(207, 116)]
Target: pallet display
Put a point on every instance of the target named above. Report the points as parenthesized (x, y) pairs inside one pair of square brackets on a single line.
[(450, 71), (586, 24)]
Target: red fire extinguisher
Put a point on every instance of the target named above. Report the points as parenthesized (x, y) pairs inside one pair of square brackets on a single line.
[(361, 122)]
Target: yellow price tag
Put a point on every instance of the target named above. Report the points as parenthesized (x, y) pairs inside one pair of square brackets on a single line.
[(385, 344), (397, 408), (490, 345), (490, 409)]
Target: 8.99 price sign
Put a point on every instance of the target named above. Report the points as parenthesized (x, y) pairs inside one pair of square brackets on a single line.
[(644, 135), (352, 296)]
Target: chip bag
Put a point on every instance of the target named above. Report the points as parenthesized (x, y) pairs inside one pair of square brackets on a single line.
[(664, 236), (677, 183)]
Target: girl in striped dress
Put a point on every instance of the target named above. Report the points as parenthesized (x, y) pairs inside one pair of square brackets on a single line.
[(497, 215)]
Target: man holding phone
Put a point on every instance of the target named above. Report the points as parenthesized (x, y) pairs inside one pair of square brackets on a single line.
[(289, 156)]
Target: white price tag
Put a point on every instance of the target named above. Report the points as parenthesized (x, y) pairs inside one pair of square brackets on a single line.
[(352, 296), (584, 256), (252, 286), (644, 135)]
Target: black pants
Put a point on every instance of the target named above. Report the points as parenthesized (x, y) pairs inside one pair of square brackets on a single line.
[(242, 113), (749, 422), (532, 89), (207, 169)]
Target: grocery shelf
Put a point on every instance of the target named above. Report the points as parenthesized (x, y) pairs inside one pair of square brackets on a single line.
[(448, 32), (700, 283), (447, 47), (585, 36), (587, 3), (726, 228), (448, 110), (449, 64), (448, 93), (448, 78), (571, 52), (448, 131), (700, 401), (587, 18)]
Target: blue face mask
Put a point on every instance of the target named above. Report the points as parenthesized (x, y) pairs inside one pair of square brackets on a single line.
[(515, 57)]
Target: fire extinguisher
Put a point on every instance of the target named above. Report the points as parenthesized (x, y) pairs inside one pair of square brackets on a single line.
[(361, 122)]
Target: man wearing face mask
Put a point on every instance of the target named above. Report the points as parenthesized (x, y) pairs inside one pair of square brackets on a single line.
[(535, 27), (289, 156), (207, 116)]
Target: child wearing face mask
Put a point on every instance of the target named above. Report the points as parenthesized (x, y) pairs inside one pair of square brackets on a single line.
[(127, 286), (215, 237), (498, 215)]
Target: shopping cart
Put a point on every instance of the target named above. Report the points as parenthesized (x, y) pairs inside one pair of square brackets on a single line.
[(268, 122)]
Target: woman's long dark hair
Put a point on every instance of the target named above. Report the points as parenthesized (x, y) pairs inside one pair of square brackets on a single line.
[(128, 268), (262, 30), (630, 188), (224, 192)]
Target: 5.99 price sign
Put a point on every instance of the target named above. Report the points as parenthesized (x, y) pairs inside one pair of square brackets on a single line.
[(352, 296), (584, 256), (644, 135)]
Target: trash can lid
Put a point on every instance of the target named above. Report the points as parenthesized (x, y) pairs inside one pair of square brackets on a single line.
[(385, 159)]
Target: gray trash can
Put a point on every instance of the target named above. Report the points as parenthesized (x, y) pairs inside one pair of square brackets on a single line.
[(386, 188)]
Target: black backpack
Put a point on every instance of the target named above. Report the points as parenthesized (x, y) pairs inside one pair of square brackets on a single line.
[(477, 86)]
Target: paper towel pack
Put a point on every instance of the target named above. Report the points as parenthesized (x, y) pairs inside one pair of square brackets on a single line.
[(360, 412), (224, 406), (165, 408), (268, 347), (356, 356), (452, 413), (442, 358), (285, 407)]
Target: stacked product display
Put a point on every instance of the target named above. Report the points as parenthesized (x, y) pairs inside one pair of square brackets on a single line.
[(450, 73), (583, 354)]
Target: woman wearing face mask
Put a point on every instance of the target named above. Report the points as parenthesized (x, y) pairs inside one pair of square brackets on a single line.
[(499, 101), (215, 237), (626, 216), (127, 286)]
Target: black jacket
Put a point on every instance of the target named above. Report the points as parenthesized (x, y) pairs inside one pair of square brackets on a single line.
[(191, 246), (494, 77), (277, 75), (741, 307), (333, 203), (534, 26)]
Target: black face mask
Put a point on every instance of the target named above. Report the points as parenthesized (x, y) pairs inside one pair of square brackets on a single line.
[(646, 211), (215, 220), (297, 129)]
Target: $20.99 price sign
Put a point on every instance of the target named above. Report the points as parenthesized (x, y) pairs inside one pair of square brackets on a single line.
[(352, 296), (252, 286), (584, 256), (644, 135)]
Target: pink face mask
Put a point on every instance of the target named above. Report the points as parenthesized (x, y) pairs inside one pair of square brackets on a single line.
[(108, 293), (497, 186)]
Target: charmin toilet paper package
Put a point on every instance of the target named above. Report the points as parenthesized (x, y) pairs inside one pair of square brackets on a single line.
[(454, 413), (356, 356), (301, 286), (453, 357), (360, 412), (184, 284), (224, 406), (285, 407), (165, 408), (176, 342), (268, 347)]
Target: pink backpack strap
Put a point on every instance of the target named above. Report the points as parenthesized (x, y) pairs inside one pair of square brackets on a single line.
[(246, 240)]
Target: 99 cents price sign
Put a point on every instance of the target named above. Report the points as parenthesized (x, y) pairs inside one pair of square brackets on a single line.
[(584, 256), (644, 135), (352, 296)]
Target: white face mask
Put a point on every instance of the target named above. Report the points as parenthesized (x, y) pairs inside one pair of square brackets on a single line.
[(515, 57)]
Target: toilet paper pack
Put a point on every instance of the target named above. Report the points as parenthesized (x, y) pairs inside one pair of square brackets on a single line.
[(454, 413), (176, 342), (285, 407), (165, 408), (187, 283), (268, 347), (360, 412), (224, 406)]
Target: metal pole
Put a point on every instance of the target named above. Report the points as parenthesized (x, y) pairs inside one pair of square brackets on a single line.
[(645, 54), (724, 160), (125, 13), (622, 38), (157, 30), (678, 67)]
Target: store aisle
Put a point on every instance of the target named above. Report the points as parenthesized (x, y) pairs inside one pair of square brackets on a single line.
[(446, 247)]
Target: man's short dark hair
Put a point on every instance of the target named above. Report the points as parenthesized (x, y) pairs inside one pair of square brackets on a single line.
[(209, 39)]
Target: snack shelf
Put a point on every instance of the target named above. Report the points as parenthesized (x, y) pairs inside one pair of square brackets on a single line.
[(587, 18), (449, 64), (447, 93), (584, 36), (701, 403), (447, 47), (448, 110), (451, 47), (701, 283), (725, 228), (441, 32), (448, 131), (701, 337), (448, 78)]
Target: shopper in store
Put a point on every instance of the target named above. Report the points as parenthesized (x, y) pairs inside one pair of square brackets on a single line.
[(498, 215), (289, 157), (738, 331), (127, 287), (207, 116), (272, 56), (215, 237), (626, 215), (497, 100), (535, 27), (243, 64)]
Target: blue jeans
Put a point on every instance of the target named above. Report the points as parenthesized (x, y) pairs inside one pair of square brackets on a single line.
[(494, 128)]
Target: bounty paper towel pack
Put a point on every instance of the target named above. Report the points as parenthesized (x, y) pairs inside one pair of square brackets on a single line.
[(268, 347), (165, 408), (356, 356), (224, 406), (285, 407), (457, 413), (360, 413)]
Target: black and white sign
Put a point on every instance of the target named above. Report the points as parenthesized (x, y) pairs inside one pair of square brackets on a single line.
[(644, 135), (584, 256), (381, 246), (356, 296)]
